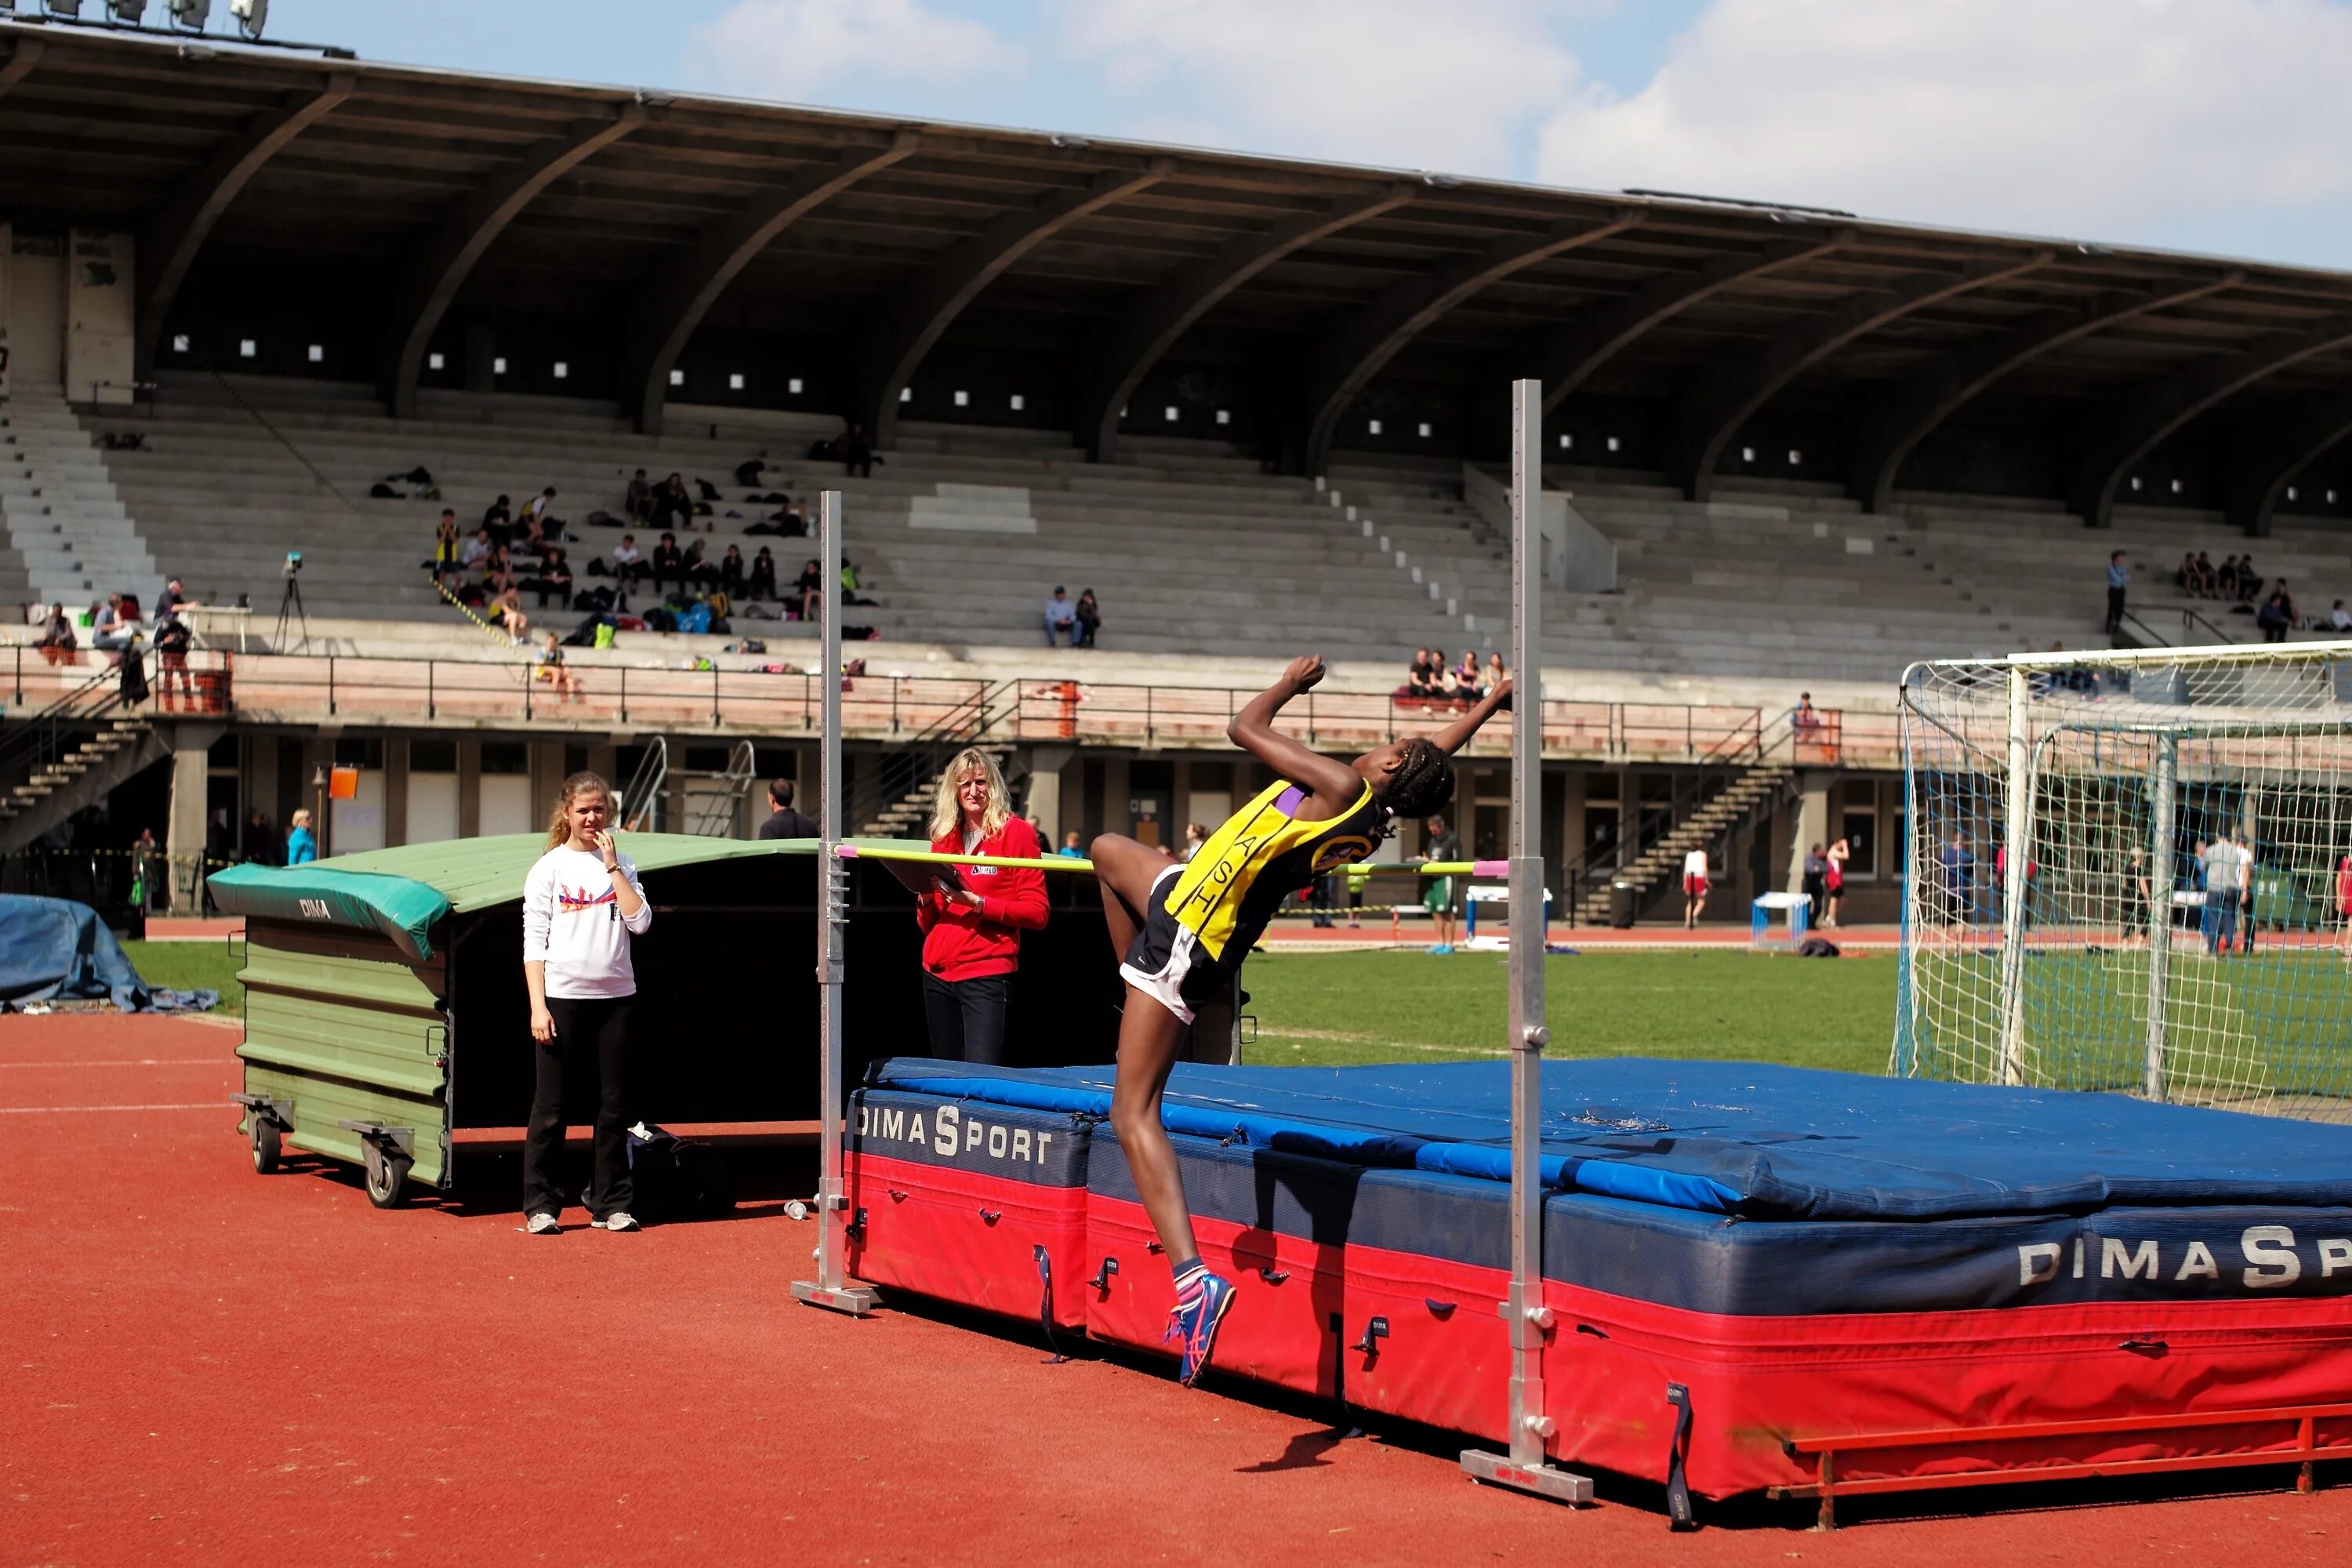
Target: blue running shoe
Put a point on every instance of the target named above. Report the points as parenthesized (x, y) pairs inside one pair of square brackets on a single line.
[(1196, 1320)]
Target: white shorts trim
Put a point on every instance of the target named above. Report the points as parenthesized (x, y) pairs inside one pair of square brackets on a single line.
[(1165, 985)]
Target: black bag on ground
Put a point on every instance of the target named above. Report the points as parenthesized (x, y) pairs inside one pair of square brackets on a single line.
[(1817, 947), (676, 1179)]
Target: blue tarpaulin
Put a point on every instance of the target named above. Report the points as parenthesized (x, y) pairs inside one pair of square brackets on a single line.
[(54, 950), (1738, 1138)]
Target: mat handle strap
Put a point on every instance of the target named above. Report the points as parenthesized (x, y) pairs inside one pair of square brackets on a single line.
[(1678, 1501)]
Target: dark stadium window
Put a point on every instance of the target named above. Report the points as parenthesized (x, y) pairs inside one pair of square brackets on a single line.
[(575, 760), (706, 759), (359, 752), (432, 756), (514, 757), (1858, 825), (776, 762)]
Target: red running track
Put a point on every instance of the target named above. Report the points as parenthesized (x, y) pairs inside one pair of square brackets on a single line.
[(202, 1365)]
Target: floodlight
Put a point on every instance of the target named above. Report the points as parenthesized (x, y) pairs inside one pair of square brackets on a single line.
[(252, 16), (70, 8), (191, 13), (126, 12)]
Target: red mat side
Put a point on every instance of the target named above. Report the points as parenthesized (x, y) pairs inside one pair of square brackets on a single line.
[(1446, 1358), (1281, 1327), (1755, 1382), (928, 1229)]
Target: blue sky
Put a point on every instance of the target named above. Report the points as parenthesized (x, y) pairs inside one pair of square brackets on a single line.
[(2205, 125)]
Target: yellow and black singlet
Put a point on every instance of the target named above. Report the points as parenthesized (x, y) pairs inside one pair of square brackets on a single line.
[(1230, 887)]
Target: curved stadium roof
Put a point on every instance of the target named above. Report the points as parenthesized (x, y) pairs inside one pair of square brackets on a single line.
[(424, 213)]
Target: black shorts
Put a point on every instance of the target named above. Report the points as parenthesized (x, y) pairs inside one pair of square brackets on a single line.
[(1165, 960)]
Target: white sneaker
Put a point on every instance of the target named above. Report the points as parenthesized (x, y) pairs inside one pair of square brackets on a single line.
[(543, 1225), (620, 1219)]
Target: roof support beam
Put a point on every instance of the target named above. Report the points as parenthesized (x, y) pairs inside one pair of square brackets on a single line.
[(682, 295), (1935, 392), (1711, 416), (438, 271), (21, 62), (2266, 461), (1360, 347), (175, 234), (913, 318), (1154, 324), (2146, 420), (1571, 354)]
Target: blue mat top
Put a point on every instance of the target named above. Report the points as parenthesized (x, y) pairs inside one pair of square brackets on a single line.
[(1740, 1138)]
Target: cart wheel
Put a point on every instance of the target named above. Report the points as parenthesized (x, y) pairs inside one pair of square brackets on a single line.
[(264, 1145), (387, 1176)]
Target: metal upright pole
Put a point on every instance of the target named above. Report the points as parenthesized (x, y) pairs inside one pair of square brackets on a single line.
[(2016, 841), (830, 1289), (1528, 1466), (2160, 912)]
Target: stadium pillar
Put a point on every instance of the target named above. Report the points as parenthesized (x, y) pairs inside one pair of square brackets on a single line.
[(1528, 1465), (183, 833)]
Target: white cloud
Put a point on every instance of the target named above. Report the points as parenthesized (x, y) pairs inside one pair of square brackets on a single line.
[(2119, 117), (1397, 82), (836, 50)]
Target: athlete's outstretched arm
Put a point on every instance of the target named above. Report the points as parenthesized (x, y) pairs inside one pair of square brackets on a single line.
[(1456, 735), (1253, 730)]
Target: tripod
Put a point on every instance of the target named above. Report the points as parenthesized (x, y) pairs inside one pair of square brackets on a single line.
[(289, 607)]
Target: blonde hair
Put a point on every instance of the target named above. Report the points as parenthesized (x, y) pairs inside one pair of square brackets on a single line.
[(302, 818), (559, 825), (947, 812)]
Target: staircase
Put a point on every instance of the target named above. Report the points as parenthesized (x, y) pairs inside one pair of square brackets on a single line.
[(60, 509), (69, 755), (1711, 809)]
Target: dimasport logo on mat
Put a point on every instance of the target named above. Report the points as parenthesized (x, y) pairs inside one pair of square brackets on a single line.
[(2260, 1258), (952, 1135)]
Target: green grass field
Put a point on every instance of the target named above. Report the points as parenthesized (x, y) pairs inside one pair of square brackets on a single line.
[(191, 965), (1335, 1008)]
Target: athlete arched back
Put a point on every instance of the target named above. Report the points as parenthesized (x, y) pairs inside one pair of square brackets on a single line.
[(1182, 928)]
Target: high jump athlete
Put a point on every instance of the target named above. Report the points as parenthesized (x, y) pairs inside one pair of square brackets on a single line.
[(1182, 929)]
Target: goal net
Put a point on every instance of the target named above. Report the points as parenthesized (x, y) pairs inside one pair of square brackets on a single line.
[(2175, 926)]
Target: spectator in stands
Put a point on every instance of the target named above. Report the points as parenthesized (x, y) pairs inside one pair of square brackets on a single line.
[(762, 582), (1806, 718), (2276, 615), (446, 542), (695, 562), (174, 597), (784, 822), (498, 520), (506, 610), (628, 562), (476, 550), (1449, 688), (2118, 581), (2208, 582), (2228, 577), (730, 570), (1694, 886), (553, 577), (1073, 849), (856, 453), (173, 639), (301, 843), (498, 568), (108, 633), (672, 508), (1467, 672), (552, 669), (747, 472), (537, 509), (806, 587), (639, 501), (1495, 672), (259, 846), (1195, 837), (971, 917), (1061, 618), (2250, 581), (1089, 618), (57, 641), (668, 565), (2185, 574), (2339, 620), (1957, 863)]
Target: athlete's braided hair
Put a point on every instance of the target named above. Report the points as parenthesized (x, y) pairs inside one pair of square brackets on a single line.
[(1422, 781)]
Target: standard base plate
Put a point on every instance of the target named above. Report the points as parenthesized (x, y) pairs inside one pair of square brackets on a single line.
[(1499, 1469), (857, 1300)]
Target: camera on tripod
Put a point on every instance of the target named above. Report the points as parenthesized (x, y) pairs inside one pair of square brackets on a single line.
[(293, 562)]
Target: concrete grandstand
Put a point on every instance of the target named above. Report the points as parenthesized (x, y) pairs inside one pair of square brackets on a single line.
[(1252, 404)]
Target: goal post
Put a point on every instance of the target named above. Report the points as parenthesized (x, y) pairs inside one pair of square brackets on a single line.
[(2127, 871)]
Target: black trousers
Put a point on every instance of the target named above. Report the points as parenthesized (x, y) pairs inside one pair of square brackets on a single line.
[(967, 1016), (2115, 609), (590, 1051)]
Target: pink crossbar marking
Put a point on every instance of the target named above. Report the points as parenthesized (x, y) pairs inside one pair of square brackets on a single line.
[(1490, 867), (844, 851)]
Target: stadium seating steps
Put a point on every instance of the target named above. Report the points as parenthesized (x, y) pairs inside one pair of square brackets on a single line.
[(1192, 548)]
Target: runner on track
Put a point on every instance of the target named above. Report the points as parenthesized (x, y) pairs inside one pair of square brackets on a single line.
[(1182, 929)]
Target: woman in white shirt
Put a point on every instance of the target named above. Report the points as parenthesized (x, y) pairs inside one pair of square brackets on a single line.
[(581, 906)]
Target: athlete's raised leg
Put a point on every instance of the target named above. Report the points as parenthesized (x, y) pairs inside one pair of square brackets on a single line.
[(1125, 871)]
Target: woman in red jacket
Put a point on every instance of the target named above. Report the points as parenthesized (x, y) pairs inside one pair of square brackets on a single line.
[(972, 916)]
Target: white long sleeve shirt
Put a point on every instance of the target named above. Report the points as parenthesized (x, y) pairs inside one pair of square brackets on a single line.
[(572, 923)]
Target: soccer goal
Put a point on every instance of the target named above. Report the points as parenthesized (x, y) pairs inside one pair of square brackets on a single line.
[(2175, 926)]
